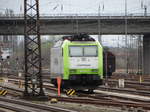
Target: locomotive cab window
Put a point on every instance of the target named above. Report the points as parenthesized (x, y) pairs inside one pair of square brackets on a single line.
[(76, 51), (83, 51), (90, 51)]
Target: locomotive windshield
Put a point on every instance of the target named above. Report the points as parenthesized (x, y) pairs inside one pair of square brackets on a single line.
[(90, 51), (83, 51), (76, 51)]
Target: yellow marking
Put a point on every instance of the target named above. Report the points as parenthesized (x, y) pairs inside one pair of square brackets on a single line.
[(72, 92), (4, 93), (1, 80), (1, 91), (69, 91)]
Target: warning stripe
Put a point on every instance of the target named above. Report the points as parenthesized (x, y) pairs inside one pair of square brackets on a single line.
[(70, 92), (3, 92)]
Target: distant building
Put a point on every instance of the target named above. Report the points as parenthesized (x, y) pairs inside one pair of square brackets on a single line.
[(7, 45), (6, 53)]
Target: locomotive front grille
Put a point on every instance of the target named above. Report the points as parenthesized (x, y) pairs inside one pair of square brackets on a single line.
[(84, 77)]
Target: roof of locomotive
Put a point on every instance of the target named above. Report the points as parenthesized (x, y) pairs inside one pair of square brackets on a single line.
[(76, 39)]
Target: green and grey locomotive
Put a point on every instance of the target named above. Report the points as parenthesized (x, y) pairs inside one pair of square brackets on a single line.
[(78, 60)]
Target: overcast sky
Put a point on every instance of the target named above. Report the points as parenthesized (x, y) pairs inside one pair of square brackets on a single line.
[(79, 6)]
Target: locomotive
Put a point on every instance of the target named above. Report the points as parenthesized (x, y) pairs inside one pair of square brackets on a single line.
[(78, 60)]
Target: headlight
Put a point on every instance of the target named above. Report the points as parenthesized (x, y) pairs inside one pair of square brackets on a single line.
[(94, 70)]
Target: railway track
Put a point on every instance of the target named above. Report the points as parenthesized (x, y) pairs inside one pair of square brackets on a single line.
[(100, 100), (5, 110), (125, 90), (103, 99), (143, 86), (131, 87), (25, 106)]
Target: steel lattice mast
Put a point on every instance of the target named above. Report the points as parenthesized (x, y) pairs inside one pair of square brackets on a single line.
[(33, 77)]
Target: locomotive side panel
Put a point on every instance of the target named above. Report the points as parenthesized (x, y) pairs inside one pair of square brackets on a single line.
[(56, 62)]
